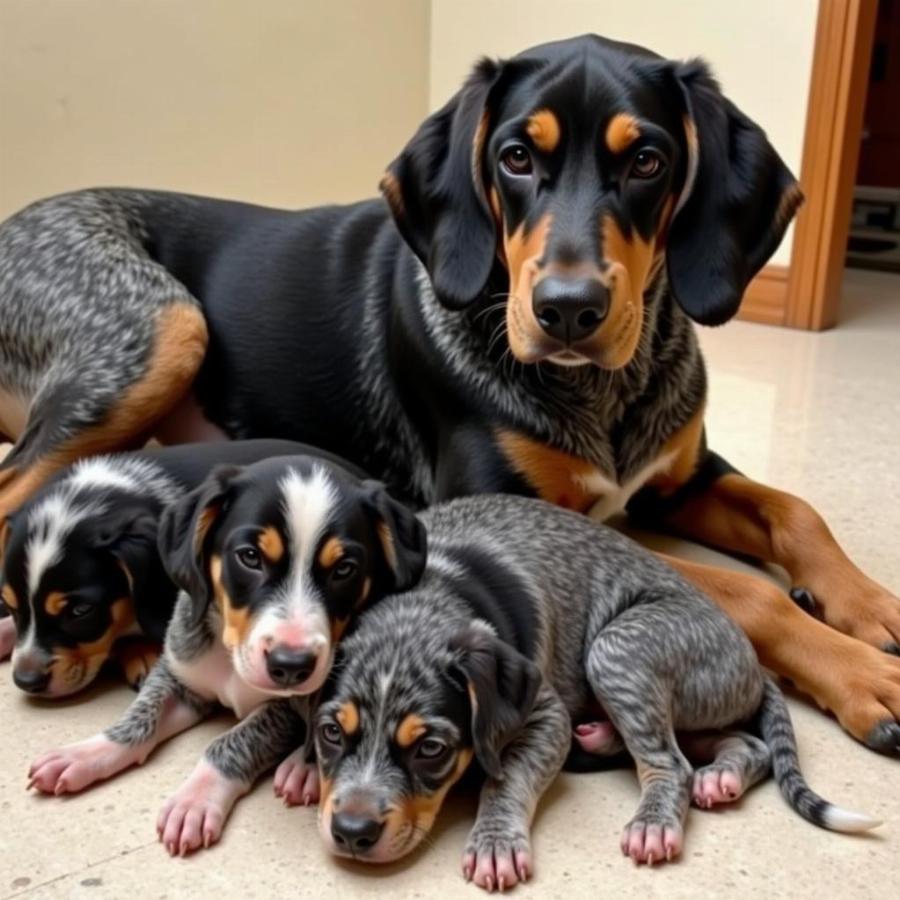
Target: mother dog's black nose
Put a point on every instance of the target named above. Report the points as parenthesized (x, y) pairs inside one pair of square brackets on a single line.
[(570, 309), (33, 682), (355, 833), (287, 666)]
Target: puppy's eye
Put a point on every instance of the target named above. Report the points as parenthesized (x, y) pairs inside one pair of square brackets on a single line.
[(80, 610), (431, 749), (345, 569), (249, 557), (516, 160), (646, 164), (331, 733)]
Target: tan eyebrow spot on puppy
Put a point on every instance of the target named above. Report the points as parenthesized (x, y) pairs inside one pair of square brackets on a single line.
[(9, 597), (410, 730), (621, 132), (332, 550), (543, 129), (348, 717), (55, 603), (270, 544)]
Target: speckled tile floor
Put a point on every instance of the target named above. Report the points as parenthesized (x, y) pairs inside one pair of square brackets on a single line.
[(817, 414)]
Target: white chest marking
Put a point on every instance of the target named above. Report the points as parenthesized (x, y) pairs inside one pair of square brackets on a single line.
[(212, 676), (611, 496)]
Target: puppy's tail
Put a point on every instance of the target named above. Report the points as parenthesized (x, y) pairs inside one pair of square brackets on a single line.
[(778, 733)]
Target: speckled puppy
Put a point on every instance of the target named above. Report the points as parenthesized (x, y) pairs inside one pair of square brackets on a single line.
[(526, 616), (273, 559)]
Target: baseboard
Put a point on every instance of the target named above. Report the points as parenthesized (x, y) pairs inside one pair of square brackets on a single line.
[(765, 299)]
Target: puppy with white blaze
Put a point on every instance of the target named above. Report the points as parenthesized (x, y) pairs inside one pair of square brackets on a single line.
[(273, 560)]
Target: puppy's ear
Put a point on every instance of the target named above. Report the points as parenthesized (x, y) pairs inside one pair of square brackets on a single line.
[(502, 686), (436, 192), (184, 533), (401, 537), (738, 199), (130, 535)]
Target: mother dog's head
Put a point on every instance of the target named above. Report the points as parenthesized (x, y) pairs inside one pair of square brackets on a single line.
[(577, 171)]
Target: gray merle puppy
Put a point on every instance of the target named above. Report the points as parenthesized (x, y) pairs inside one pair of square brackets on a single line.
[(526, 618)]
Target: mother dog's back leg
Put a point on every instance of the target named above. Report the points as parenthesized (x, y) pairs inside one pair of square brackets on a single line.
[(98, 342)]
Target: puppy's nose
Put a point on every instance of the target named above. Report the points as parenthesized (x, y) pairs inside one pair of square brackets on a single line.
[(355, 833), (34, 682), (570, 309), (288, 666)]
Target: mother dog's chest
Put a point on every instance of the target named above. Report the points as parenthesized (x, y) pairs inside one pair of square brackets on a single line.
[(211, 675), (577, 483)]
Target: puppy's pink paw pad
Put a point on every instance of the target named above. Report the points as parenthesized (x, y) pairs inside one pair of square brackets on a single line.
[(714, 785), (650, 843), (297, 782), (497, 866), (595, 737), (195, 816), (74, 767)]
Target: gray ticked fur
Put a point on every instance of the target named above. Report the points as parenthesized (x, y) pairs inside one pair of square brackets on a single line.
[(613, 622)]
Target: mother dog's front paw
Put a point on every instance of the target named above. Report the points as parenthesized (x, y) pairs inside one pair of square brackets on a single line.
[(497, 857), (867, 698), (7, 636)]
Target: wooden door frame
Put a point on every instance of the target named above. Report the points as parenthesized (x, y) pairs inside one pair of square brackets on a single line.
[(806, 294)]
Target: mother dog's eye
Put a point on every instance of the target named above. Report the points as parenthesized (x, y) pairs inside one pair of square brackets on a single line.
[(249, 557), (516, 160), (345, 569), (331, 733), (431, 749), (647, 163)]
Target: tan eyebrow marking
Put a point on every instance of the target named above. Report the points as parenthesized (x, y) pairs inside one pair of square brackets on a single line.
[(348, 717), (410, 730), (543, 129), (332, 550), (9, 597), (55, 603), (270, 543), (621, 132)]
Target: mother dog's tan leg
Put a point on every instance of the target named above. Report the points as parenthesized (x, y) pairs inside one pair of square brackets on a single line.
[(178, 349), (858, 683), (735, 513)]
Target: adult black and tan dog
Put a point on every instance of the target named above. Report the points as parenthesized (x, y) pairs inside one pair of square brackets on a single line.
[(516, 317)]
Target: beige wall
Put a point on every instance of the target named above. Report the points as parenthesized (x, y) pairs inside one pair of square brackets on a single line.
[(288, 102), (760, 50)]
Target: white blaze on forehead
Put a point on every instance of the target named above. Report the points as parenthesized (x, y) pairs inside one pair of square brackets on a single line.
[(101, 471), (48, 525), (307, 502)]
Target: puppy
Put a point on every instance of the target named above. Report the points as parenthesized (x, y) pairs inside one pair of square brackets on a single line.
[(82, 575), (493, 655), (273, 561)]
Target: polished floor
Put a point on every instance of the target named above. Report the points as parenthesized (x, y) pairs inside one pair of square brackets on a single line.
[(816, 414)]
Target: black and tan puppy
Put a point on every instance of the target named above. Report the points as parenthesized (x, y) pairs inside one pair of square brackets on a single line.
[(81, 572), (273, 560)]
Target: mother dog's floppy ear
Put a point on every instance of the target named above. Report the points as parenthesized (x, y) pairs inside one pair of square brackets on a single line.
[(402, 539), (436, 193), (739, 198), (184, 532), (129, 534), (502, 686)]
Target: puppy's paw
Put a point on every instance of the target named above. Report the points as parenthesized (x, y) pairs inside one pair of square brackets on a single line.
[(196, 814), (598, 738), (497, 857), (715, 784), (296, 781), (652, 842), (7, 637), (72, 768)]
